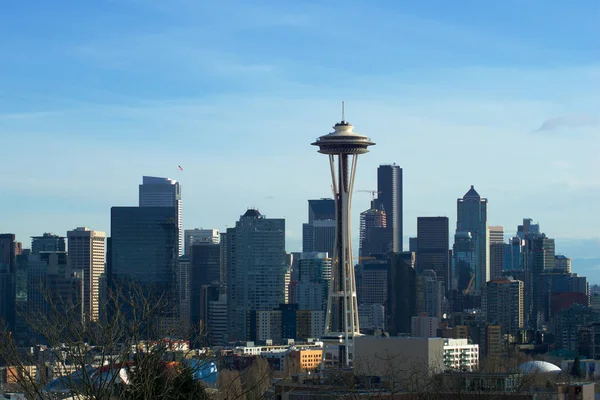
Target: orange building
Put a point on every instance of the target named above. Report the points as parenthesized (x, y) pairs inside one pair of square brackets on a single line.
[(304, 360)]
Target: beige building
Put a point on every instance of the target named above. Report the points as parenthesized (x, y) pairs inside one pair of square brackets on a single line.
[(86, 252), (409, 358)]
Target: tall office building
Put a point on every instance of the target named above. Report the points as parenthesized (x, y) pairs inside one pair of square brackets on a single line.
[(503, 304), (8, 269), (432, 247), (163, 192), (205, 273), (497, 251), (199, 235), (472, 217), (319, 233), (433, 293), (464, 270), (87, 254), (401, 293), (256, 268), (343, 146), (389, 188), (47, 242), (539, 257), (143, 248), (310, 293), (528, 229), (513, 254), (373, 232)]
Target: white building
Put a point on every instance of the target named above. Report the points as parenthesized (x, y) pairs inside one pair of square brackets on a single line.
[(423, 326), (460, 355), (87, 253)]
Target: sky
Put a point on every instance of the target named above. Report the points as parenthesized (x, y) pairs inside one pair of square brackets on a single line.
[(502, 95)]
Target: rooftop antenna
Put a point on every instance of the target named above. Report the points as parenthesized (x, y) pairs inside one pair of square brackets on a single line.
[(343, 120)]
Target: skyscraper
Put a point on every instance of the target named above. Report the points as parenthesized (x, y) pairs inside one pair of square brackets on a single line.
[(205, 271), (432, 247), (373, 232), (8, 269), (401, 292), (143, 247), (256, 268), (163, 192), (47, 242), (472, 217), (503, 304), (389, 187), (319, 233), (199, 235), (497, 251), (87, 254), (343, 147)]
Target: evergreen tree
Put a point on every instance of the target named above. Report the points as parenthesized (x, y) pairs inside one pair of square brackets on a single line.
[(576, 369)]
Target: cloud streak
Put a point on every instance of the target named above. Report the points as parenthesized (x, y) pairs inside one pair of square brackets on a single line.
[(572, 121)]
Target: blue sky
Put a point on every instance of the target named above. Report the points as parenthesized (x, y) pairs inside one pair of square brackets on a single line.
[(499, 94)]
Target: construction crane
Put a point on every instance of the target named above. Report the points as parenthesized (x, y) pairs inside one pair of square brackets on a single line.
[(468, 288), (373, 193)]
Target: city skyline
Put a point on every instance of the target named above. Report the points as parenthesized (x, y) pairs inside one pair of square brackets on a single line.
[(148, 95)]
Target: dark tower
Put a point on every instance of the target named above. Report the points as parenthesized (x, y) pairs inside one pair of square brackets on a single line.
[(389, 186), (432, 247)]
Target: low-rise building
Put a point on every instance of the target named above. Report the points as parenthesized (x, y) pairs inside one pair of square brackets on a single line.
[(460, 355)]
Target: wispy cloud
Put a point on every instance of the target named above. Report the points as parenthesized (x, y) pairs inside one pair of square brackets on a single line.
[(572, 121)]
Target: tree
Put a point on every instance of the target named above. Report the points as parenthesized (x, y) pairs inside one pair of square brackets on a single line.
[(128, 354), (576, 368)]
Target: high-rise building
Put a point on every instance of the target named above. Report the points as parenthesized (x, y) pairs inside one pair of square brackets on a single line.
[(87, 254), (163, 192), (183, 288), (371, 281), (432, 247), (497, 251), (199, 235), (503, 304), (47, 242), (433, 294), (53, 292), (256, 268), (373, 232), (8, 269), (562, 263), (401, 293), (513, 254), (205, 271), (538, 259), (310, 293), (343, 147), (143, 248), (528, 229), (472, 217), (413, 244), (389, 188), (319, 233)]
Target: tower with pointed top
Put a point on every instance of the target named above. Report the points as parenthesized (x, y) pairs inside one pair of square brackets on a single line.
[(472, 218), (343, 146)]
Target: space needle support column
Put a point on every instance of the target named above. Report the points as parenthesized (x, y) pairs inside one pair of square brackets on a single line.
[(341, 318)]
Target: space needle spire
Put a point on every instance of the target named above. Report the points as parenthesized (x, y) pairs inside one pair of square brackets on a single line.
[(343, 146)]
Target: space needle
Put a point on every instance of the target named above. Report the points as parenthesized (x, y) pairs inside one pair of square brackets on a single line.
[(343, 146)]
